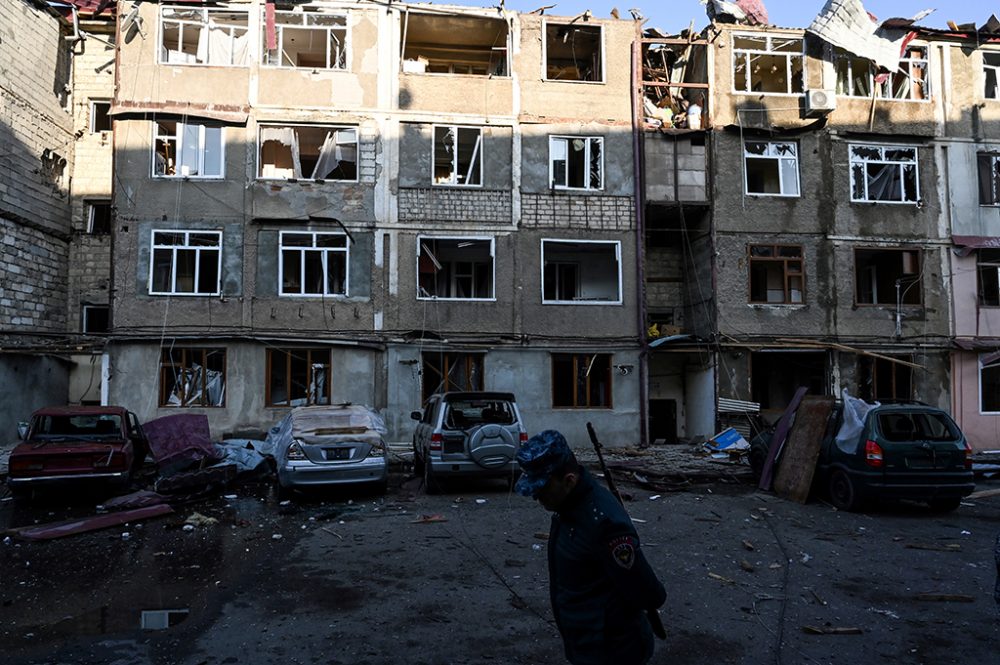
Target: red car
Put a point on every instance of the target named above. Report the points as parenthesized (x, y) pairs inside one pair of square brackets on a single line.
[(77, 443)]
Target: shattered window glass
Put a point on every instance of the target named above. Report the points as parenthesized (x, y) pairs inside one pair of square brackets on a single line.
[(771, 168), (309, 40), (991, 71), (315, 152), (186, 263), (855, 75), (776, 274), (768, 64), (204, 37), (910, 80), (576, 162), (988, 273), (192, 377), (884, 174), (458, 155), (298, 377), (573, 52), (312, 264), (188, 150)]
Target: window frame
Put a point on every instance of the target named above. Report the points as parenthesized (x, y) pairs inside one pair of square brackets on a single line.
[(92, 120), (85, 309), (167, 364), (279, 38), (747, 54), (984, 265), (618, 260), (310, 353), (91, 207), (883, 90), (325, 252), (992, 159), (477, 156), (336, 128), (472, 365), (602, 80), (786, 275), (852, 161), (781, 174), (471, 239), (918, 279), (179, 146), (205, 11), (578, 359), (995, 69), (567, 138), (198, 249), (994, 365)]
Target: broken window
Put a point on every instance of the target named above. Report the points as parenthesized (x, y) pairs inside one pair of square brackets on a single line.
[(203, 36), (581, 380), (988, 273), (885, 174), (308, 39), (312, 264), (989, 178), (452, 44), (772, 168), (458, 155), (573, 52), (187, 151), (767, 64), (96, 319), (100, 118), (856, 76), (444, 372), (576, 162), (581, 271), (186, 263), (882, 380), (98, 217), (776, 274), (991, 73), (887, 276), (989, 382), (460, 268), (298, 377), (315, 152), (192, 377)]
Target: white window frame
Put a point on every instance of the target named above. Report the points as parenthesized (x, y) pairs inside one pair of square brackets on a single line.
[(345, 49), (186, 246), (979, 382), (882, 147), (178, 139), (566, 139), (996, 76), (883, 90), (493, 266), (325, 253), (618, 260), (85, 311), (334, 128), (771, 153), (747, 56), (206, 13), (91, 209), (477, 156), (545, 53), (93, 116)]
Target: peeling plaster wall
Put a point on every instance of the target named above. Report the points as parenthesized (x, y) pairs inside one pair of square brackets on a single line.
[(968, 218)]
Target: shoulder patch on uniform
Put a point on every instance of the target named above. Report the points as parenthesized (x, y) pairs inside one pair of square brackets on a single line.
[(623, 551)]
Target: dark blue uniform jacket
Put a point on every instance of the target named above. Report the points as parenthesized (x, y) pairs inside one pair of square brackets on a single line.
[(599, 580)]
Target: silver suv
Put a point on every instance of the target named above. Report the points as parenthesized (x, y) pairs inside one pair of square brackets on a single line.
[(467, 434)]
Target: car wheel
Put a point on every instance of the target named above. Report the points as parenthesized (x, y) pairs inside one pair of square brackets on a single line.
[(430, 481), (844, 493), (945, 505)]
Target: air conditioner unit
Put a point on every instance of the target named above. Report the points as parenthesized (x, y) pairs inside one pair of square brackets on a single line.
[(819, 102)]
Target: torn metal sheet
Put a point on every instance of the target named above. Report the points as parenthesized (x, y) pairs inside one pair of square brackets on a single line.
[(177, 441), (93, 523), (846, 23)]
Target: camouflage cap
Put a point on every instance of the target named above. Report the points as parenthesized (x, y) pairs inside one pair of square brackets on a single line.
[(539, 457)]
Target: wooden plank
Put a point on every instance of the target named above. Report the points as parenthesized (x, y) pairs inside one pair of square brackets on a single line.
[(798, 462), (778, 439)]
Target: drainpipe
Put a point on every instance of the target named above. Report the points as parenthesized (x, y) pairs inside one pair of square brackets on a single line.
[(640, 272), (76, 36)]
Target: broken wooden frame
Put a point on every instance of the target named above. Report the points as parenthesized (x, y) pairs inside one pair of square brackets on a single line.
[(674, 76), (298, 377), (192, 377), (581, 381)]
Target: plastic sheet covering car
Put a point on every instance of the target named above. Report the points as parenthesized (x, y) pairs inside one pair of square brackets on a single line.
[(317, 446)]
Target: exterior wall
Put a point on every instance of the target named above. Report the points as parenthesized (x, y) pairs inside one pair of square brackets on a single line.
[(981, 429), (27, 383)]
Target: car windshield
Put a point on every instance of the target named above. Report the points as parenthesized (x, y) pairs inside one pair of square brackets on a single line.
[(469, 413), (90, 426), (916, 426)]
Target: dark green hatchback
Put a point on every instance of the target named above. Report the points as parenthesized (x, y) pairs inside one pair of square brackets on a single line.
[(902, 451)]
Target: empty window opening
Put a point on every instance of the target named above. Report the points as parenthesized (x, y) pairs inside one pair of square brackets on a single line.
[(316, 152), (887, 276), (767, 64), (576, 162), (186, 263), (308, 39), (458, 155), (204, 36), (991, 72), (96, 319), (187, 151), (856, 76), (573, 52), (884, 174), (989, 178), (989, 383), (444, 372), (581, 381), (312, 264), (772, 168), (581, 272), (882, 380), (443, 44), (100, 118), (460, 268), (98, 217), (192, 377), (776, 375), (776, 275), (298, 377), (988, 274)]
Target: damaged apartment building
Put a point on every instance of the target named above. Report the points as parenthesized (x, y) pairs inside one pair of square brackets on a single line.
[(845, 234), (324, 202)]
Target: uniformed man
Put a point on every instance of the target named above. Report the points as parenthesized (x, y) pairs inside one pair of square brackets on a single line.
[(600, 583)]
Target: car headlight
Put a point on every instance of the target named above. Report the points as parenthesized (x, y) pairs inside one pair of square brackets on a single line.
[(376, 451), (295, 452)]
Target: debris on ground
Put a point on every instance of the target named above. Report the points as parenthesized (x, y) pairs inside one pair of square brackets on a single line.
[(92, 523)]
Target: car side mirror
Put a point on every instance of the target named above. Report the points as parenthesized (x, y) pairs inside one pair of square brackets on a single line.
[(22, 430), (415, 415)]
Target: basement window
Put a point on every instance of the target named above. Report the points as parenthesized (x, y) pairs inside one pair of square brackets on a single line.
[(989, 383), (573, 52), (192, 377), (98, 217), (772, 168), (452, 44), (989, 178), (100, 118), (991, 73), (203, 36), (887, 276), (312, 264), (186, 263), (776, 275), (988, 277), (314, 152), (458, 156), (767, 64), (884, 174), (882, 380), (455, 268), (581, 272), (581, 381), (298, 377), (96, 319), (187, 151), (308, 39), (576, 162), (448, 372)]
